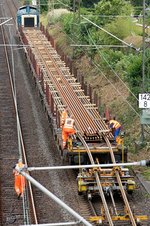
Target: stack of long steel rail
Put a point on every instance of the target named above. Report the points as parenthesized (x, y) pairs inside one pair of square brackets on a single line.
[(63, 86)]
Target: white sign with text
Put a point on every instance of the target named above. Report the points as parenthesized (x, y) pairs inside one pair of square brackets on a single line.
[(144, 100)]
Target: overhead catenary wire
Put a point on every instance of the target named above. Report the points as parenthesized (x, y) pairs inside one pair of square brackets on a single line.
[(13, 82), (54, 3), (99, 46), (115, 16), (112, 68), (119, 79), (114, 36), (94, 44), (67, 5), (21, 148), (97, 66), (129, 45)]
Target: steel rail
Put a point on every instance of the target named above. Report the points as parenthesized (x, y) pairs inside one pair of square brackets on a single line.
[(111, 195), (121, 186), (18, 121), (69, 106), (73, 103), (64, 88), (120, 183), (118, 180), (101, 192), (93, 109), (113, 203), (14, 100)]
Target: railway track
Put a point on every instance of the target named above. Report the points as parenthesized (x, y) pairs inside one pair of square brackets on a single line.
[(11, 209), (38, 146), (38, 142)]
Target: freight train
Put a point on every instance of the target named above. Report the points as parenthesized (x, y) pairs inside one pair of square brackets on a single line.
[(59, 88)]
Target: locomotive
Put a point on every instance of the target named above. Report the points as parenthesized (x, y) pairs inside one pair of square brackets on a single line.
[(28, 16)]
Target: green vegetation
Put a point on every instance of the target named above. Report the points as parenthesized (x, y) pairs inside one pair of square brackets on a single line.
[(146, 174), (26, 2), (109, 9), (128, 63), (67, 21), (111, 17), (113, 23), (43, 5)]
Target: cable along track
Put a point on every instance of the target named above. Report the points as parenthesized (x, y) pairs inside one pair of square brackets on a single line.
[(66, 91)]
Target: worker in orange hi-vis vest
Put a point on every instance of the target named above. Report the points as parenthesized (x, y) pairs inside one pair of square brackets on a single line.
[(19, 179), (63, 117), (68, 129)]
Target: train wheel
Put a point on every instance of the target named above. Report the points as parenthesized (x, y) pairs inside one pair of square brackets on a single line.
[(130, 192), (79, 192)]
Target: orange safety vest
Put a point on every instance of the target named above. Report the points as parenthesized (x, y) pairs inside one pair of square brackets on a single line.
[(116, 124), (64, 115), (20, 165), (69, 123), (19, 180)]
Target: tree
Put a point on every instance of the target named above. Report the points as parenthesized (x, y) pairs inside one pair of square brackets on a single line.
[(88, 3), (139, 2), (43, 5), (106, 8), (83, 3)]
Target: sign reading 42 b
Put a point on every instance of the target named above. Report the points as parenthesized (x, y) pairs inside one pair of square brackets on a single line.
[(144, 100)]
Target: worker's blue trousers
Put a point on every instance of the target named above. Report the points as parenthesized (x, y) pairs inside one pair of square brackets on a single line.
[(116, 133)]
